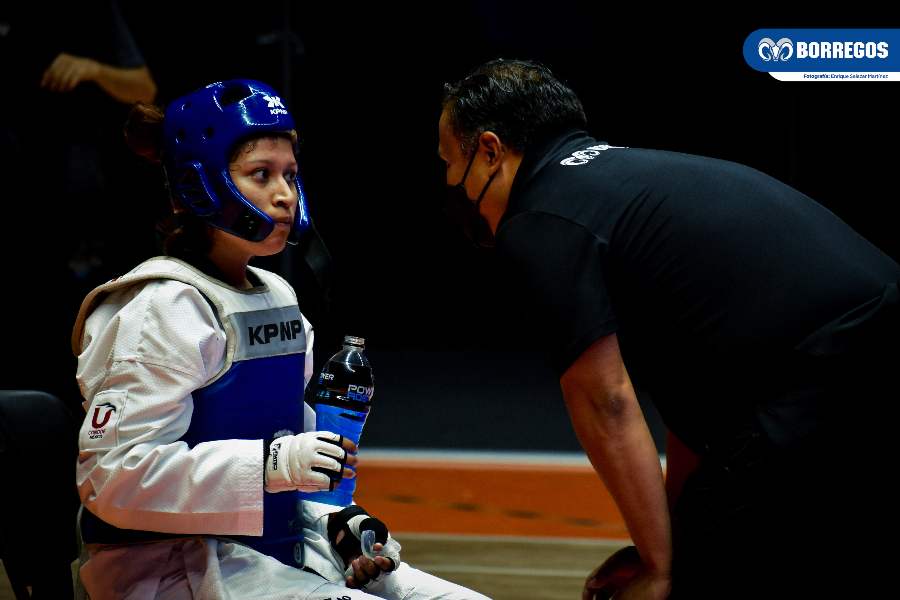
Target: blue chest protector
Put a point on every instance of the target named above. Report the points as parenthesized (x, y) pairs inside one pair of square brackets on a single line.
[(258, 394), (255, 399)]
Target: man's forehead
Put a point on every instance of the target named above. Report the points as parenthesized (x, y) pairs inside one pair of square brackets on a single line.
[(446, 138), (441, 149)]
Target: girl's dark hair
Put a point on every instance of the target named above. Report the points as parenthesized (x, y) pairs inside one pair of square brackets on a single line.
[(183, 234), (520, 101), (144, 131)]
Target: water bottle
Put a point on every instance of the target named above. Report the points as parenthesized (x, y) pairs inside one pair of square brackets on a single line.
[(342, 399)]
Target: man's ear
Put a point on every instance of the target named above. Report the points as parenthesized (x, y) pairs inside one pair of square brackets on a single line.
[(490, 144)]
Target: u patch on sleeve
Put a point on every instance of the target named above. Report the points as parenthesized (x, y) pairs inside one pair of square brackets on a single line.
[(100, 429)]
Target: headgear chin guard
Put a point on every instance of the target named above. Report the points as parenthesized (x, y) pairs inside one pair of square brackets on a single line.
[(201, 131)]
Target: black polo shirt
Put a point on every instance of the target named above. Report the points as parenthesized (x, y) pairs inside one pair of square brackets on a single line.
[(711, 273)]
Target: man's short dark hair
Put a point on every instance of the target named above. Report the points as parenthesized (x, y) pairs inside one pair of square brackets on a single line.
[(520, 101)]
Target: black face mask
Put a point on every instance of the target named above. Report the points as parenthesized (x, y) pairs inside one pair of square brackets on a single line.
[(466, 214)]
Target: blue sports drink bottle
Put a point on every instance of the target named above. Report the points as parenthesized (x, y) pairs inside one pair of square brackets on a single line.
[(342, 400)]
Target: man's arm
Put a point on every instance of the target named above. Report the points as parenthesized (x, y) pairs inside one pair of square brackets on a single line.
[(127, 85), (611, 428)]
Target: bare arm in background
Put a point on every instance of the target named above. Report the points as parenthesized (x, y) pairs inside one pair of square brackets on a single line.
[(127, 85)]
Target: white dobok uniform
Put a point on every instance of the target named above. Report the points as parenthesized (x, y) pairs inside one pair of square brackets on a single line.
[(184, 377)]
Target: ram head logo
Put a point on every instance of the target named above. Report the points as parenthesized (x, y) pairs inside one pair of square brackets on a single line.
[(781, 50)]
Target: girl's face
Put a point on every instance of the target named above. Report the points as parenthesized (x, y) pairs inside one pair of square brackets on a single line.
[(264, 171)]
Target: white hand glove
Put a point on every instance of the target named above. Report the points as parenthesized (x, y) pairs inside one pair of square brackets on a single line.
[(309, 462)]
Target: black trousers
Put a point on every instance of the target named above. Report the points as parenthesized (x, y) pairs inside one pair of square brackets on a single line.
[(800, 502)]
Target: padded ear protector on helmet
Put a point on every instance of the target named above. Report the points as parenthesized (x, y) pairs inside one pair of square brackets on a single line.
[(201, 131)]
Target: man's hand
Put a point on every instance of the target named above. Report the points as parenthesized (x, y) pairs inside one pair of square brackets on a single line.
[(67, 71), (623, 577), (309, 462)]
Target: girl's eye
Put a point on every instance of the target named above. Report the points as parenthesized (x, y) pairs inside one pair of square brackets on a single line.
[(260, 174), (290, 177)]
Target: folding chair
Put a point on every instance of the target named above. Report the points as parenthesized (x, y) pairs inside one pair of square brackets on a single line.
[(39, 501)]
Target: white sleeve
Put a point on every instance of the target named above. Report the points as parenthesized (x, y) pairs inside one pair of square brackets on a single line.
[(308, 367), (144, 352), (318, 553), (309, 414), (309, 418)]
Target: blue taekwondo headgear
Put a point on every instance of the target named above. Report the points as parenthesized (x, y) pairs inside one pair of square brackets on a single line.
[(201, 131)]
